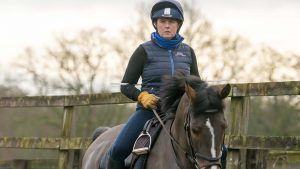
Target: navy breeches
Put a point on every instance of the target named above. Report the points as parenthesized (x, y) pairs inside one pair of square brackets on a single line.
[(122, 147)]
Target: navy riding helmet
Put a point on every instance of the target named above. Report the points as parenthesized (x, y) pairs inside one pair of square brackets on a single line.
[(167, 9)]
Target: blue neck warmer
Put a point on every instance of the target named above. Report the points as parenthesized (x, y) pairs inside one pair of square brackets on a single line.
[(165, 43)]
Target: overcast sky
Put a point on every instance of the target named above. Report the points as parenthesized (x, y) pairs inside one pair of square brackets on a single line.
[(36, 22)]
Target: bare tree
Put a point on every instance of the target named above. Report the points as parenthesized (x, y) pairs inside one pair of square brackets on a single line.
[(73, 65), (276, 66)]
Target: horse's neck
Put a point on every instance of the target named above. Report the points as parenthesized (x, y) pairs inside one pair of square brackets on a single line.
[(178, 131)]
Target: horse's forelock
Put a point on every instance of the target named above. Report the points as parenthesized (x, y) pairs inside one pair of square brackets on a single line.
[(207, 98)]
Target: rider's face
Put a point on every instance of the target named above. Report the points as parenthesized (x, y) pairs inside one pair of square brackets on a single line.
[(167, 28)]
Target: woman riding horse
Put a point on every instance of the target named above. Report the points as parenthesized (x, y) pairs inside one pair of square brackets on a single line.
[(162, 55), (192, 136)]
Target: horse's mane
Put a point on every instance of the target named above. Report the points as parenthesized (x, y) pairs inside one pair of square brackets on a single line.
[(173, 88)]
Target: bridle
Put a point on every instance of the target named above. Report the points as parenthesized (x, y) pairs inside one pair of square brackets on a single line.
[(191, 155)]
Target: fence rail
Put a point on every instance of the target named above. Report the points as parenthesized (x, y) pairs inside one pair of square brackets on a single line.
[(236, 139), (45, 143), (234, 142), (238, 90)]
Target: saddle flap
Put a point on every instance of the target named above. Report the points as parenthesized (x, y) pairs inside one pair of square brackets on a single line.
[(145, 142)]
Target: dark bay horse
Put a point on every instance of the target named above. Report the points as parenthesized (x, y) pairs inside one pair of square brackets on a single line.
[(195, 135)]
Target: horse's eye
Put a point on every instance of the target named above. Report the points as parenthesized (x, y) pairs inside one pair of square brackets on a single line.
[(196, 129)]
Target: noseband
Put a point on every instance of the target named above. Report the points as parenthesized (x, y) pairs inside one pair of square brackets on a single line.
[(191, 155)]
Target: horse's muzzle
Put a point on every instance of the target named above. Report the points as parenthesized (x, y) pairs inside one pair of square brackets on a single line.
[(209, 165)]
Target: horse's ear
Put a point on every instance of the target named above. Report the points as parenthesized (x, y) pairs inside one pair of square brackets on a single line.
[(190, 91), (225, 91)]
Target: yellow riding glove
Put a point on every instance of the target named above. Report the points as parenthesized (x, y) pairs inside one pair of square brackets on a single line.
[(149, 101)]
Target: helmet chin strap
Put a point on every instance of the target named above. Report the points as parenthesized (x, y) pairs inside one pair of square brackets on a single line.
[(154, 25), (179, 25)]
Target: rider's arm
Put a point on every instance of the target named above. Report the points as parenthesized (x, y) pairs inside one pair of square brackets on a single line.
[(133, 72), (194, 67)]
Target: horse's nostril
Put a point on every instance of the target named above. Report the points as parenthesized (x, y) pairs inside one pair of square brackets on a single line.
[(224, 124)]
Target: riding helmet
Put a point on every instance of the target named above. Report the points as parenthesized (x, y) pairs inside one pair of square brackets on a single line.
[(167, 9)]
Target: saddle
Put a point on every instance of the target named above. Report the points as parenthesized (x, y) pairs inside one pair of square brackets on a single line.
[(142, 145), (145, 141)]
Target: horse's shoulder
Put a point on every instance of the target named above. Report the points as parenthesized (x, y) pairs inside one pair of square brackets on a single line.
[(98, 131), (99, 146), (109, 133)]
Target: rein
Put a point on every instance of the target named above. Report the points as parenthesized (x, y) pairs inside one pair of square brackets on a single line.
[(166, 130), (190, 155)]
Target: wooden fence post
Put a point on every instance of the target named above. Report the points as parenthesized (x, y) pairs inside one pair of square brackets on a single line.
[(77, 159), (65, 156), (238, 125), (257, 159)]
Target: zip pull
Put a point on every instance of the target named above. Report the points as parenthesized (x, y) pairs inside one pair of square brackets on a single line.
[(172, 62)]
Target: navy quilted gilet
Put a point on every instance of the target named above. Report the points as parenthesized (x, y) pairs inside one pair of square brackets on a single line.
[(163, 62)]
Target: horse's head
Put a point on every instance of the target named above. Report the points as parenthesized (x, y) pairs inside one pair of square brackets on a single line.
[(205, 124), (200, 124)]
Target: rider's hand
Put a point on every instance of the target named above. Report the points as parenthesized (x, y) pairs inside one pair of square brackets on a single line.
[(149, 101)]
